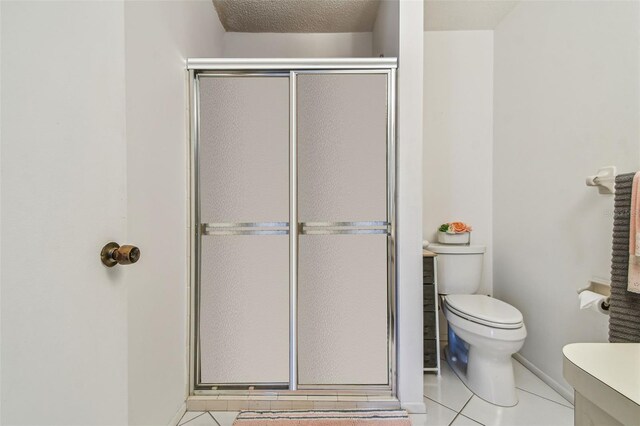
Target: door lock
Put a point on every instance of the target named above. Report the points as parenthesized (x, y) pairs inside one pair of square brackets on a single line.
[(113, 254)]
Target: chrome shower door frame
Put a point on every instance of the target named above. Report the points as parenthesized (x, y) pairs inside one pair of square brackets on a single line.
[(292, 68)]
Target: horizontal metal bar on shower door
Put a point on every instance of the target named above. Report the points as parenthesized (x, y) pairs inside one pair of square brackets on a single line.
[(245, 228), (342, 224), (240, 73), (247, 225), (286, 64), (240, 388), (336, 228), (248, 232), (342, 231)]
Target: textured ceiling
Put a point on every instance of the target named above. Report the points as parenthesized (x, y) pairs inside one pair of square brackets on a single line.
[(443, 15), (297, 16)]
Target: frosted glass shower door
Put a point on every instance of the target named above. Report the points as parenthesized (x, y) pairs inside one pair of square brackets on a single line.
[(243, 178), (343, 272)]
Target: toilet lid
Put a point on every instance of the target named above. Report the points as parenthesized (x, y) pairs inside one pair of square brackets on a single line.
[(484, 310)]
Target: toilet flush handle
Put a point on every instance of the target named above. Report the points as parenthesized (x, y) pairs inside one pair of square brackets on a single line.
[(113, 254)]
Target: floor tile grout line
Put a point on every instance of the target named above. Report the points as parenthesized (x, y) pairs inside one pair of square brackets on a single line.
[(473, 420), (214, 419), (185, 413), (466, 403), (543, 397), (459, 413), (440, 403)]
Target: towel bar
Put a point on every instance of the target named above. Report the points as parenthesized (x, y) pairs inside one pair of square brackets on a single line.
[(605, 180)]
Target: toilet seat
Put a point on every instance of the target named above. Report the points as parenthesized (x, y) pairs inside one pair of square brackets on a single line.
[(484, 310)]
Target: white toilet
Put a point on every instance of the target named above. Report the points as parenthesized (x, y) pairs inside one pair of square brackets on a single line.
[(483, 332)]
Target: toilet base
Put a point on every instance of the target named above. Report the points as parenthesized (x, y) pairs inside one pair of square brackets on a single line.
[(489, 376)]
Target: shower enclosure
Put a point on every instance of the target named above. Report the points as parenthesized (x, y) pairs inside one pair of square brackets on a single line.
[(292, 222)]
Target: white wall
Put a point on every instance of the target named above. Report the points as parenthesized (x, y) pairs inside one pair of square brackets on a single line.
[(409, 206), (159, 37), (566, 102), (64, 331), (296, 45), (85, 162), (385, 29), (458, 136)]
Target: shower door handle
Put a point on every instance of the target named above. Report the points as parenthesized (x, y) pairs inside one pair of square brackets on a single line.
[(245, 228), (328, 228)]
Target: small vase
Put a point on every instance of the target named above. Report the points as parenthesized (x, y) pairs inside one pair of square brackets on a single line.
[(461, 238)]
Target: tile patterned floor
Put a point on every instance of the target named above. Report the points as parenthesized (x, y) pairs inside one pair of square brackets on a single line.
[(450, 403)]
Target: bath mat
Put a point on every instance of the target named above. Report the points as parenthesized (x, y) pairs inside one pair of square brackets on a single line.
[(323, 418), (624, 311)]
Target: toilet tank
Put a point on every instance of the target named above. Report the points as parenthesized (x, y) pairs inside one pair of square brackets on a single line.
[(459, 267)]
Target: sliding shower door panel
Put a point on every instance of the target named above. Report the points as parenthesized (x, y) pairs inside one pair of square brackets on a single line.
[(244, 319), (243, 169), (342, 147), (342, 305), (344, 246), (244, 149)]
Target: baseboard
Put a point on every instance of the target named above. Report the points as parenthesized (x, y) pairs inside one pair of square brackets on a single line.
[(566, 393), (176, 418), (414, 407)]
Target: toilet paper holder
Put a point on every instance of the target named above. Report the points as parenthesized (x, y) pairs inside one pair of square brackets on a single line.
[(600, 286)]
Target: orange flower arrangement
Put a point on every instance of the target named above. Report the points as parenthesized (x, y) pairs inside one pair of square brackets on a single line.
[(455, 228)]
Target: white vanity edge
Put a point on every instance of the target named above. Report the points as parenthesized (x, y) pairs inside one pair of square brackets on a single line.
[(608, 375)]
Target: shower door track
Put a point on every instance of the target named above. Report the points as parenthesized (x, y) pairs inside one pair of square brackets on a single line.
[(289, 68)]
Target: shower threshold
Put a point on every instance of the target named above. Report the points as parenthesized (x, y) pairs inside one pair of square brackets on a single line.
[(291, 400)]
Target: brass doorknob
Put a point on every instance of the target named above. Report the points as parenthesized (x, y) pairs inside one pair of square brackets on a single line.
[(113, 254)]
